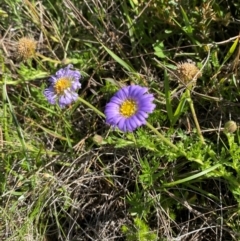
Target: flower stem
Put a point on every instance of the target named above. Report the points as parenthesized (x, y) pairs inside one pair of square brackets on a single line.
[(164, 139), (170, 144), (194, 116), (91, 106)]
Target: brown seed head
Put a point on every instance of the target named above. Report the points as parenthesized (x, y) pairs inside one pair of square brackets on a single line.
[(188, 73), (26, 48)]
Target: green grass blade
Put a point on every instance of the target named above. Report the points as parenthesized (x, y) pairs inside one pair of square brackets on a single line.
[(230, 51), (178, 112), (123, 63), (195, 176), (18, 127)]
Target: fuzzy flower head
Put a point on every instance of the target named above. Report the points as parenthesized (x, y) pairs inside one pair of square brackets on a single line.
[(129, 108), (26, 48), (188, 73), (63, 87)]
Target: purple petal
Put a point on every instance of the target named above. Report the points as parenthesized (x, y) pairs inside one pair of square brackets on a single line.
[(131, 125), (50, 95), (75, 85), (137, 91), (122, 93), (137, 120), (116, 100), (122, 124)]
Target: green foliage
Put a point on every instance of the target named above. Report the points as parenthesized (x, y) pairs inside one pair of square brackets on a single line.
[(150, 173), (140, 232), (28, 73), (140, 203)]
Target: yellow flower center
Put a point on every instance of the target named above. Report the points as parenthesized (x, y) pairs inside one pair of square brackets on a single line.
[(128, 108), (61, 85)]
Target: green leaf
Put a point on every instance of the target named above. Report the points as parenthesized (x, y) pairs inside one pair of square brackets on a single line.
[(159, 50), (180, 108), (230, 51)]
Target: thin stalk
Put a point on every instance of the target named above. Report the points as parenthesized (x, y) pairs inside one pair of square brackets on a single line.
[(170, 144), (194, 116), (91, 106), (165, 140)]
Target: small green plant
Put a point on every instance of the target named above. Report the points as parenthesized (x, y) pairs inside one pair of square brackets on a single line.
[(139, 232)]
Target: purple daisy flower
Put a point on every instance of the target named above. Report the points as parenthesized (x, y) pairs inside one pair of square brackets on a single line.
[(129, 108), (63, 87)]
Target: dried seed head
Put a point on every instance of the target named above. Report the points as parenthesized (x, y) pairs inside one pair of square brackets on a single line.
[(26, 48), (230, 127), (188, 73)]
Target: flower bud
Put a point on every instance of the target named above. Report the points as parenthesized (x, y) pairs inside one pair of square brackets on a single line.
[(97, 139), (230, 127)]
